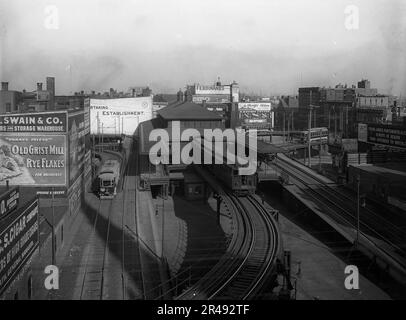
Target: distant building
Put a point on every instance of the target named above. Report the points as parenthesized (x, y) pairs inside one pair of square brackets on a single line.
[(9, 99), (216, 93), (342, 107)]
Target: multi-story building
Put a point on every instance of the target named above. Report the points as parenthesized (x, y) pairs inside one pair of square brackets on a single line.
[(342, 107), (217, 98), (9, 99), (216, 93)]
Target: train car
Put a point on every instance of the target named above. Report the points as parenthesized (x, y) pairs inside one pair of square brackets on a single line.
[(108, 178), (228, 174), (315, 135)]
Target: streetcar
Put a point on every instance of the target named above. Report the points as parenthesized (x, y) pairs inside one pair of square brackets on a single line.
[(316, 134), (108, 178)]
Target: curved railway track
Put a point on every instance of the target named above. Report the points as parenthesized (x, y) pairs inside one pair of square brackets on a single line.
[(244, 270), (343, 207)]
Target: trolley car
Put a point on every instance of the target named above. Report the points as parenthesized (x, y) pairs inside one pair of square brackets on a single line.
[(108, 177), (316, 134)]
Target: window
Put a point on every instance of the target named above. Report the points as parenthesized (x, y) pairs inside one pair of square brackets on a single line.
[(8, 107), (16, 296), (61, 234), (198, 190)]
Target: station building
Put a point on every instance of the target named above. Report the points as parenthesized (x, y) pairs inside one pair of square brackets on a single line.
[(164, 179)]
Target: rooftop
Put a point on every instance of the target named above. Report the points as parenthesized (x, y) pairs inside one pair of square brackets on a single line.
[(187, 110)]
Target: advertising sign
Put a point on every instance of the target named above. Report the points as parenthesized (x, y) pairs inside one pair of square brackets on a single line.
[(76, 138), (9, 201), (211, 98), (208, 90), (119, 116), (87, 115), (18, 240), (255, 112), (33, 160), (394, 136), (51, 122), (254, 106)]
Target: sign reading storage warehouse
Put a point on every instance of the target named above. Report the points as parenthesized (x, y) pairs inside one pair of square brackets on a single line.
[(38, 122), (18, 240), (119, 116)]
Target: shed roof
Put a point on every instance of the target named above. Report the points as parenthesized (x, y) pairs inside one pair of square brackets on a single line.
[(187, 110)]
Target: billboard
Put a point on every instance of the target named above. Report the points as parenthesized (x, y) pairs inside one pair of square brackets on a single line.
[(389, 135), (119, 116), (9, 201), (76, 139), (255, 113), (254, 106), (49, 122), (215, 98), (18, 240), (33, 160)]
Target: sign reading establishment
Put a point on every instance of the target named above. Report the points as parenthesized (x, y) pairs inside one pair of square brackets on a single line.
[(33, 160), (119, 116), (39, 122), (18, 240)]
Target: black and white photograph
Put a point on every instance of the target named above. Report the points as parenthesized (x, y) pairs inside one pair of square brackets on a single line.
[(201, 157)]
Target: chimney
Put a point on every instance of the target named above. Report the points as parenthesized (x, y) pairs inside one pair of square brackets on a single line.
[(51, 90), (4, 86), (188, 95), (180, 96), (39, 86)]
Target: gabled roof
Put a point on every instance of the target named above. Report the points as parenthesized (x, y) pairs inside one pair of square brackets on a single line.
[(187, 110)]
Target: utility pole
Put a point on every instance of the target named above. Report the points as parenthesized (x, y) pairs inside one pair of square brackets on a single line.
[(358, 205), (53, 226), (320, 131), (163, 227)]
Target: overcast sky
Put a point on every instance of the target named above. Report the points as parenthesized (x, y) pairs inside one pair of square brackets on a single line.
[(267, 46)]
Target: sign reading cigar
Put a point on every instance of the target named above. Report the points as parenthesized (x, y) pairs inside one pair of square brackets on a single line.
[(18, 241), (51, 122), (9, 201), (33, 160)]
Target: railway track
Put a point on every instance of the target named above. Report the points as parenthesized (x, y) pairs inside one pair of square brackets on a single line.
[(343, 207), (250, 259), (105, 265), (93, 278)]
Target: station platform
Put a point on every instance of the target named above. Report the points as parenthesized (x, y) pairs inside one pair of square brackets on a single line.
[(384, 254), (316, 270)]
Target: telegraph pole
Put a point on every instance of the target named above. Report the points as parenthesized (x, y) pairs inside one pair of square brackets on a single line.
[(358, 204)]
